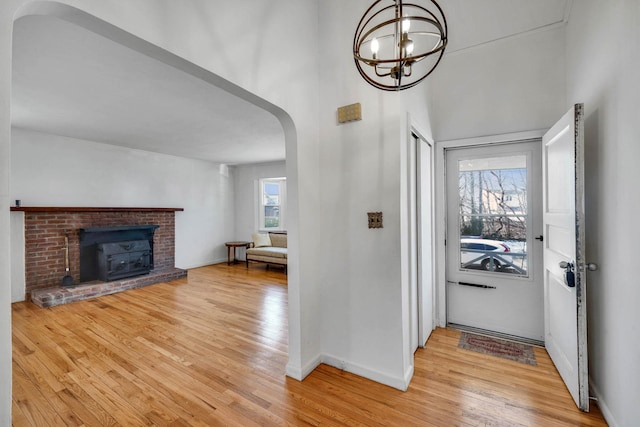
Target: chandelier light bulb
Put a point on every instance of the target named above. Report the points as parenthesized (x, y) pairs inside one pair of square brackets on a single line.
[(375, 46), (406, 25), (408, 47)]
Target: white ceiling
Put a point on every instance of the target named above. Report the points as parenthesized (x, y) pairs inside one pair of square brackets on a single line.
[(476, 22), (71, 82)]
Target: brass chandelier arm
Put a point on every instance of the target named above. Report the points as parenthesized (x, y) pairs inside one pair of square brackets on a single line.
[(359, 40), (363, 25), (385, 74)]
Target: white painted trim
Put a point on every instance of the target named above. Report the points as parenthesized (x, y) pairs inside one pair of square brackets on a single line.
[(441, 209), (423, 332), (204, 263), (423, 335), (408, 375), (541, 29), (604, 408), (300, 374), (18, 263), (395, 382), (282, 186), (567, 11), (339, 363), (492, 139)]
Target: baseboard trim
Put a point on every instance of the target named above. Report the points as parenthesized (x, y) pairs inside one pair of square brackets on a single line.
[(397, 383), (602, 404), (407, 377), (300, 373), (203, 264)]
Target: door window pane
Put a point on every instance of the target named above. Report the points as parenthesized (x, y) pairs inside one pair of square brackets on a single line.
[(493, 214)]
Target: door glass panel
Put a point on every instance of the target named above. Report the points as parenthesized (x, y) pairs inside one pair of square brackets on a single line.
[(493, 214)]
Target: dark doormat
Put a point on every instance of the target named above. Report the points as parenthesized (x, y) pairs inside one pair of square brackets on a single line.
[(518, 352)]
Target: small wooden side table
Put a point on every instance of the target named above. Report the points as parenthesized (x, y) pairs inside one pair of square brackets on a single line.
[(231, 246)]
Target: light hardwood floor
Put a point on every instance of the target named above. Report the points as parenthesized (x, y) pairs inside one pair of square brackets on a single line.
[(211, 350)]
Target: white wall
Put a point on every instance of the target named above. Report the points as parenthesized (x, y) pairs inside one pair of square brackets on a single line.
[(5, 229), (205, 33), (603, 59), (512, 85), (365, 318), (49, 170), (247, 192), (18, 280)]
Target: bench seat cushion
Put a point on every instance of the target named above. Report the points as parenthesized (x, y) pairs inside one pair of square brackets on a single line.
[(272, 252), (278, 240)]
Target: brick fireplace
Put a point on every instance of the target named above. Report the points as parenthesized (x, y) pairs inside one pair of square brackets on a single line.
[(45, 231)]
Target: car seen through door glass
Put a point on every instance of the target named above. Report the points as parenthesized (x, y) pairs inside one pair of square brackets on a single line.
[(493, 214)]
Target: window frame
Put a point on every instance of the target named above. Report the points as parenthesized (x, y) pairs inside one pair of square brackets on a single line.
[(282, 185)]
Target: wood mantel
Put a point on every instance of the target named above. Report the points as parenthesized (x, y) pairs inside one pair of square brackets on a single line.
[(89, 209)]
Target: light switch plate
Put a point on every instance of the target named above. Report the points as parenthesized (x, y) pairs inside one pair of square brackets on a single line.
[(375, 219)]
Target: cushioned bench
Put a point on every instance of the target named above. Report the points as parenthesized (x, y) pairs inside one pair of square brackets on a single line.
[(269, 248)]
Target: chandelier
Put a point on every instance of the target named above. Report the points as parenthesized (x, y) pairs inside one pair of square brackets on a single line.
[(398, 44)]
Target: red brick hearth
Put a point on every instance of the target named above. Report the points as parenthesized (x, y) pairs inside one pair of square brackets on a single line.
[(45, 231), (50, 297)]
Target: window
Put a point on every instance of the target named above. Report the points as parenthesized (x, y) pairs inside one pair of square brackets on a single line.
[(273, 202), (493, 214)]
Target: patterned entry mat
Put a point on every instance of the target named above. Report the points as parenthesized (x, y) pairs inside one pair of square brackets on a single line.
[(518, 352)]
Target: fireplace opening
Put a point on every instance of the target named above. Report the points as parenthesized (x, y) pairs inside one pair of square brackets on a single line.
[(123, 259), (112, 253)]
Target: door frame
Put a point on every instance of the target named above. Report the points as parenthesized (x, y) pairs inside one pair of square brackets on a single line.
[(440, 218), (514, 305), (425, 291)]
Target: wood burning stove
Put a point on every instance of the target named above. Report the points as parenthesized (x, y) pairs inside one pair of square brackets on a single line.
[(112, 253), (123, 259)]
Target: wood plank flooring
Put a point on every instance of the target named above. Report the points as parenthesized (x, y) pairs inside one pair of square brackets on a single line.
[(211, 350)]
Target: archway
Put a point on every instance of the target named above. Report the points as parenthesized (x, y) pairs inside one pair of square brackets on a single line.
[(133, 42)]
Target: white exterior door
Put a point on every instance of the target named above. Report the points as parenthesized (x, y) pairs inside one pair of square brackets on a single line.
[(493, 248), (564, 250)]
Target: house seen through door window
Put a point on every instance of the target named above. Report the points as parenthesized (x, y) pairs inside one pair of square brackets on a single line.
[(493, 214), (273, 199)]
